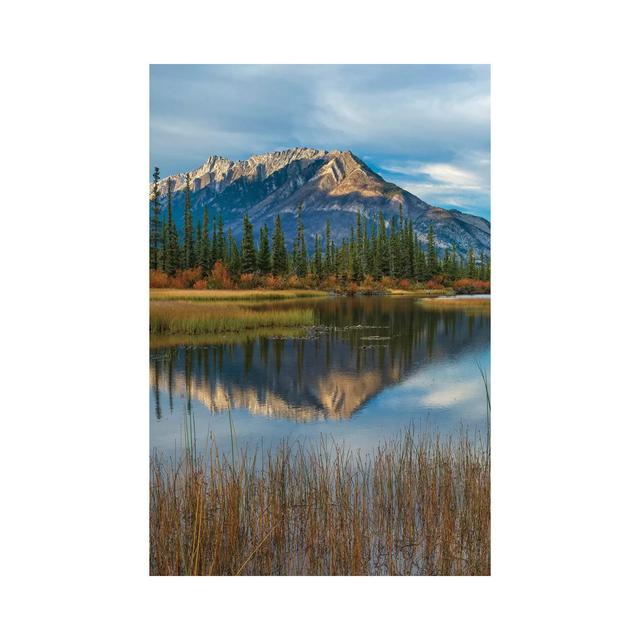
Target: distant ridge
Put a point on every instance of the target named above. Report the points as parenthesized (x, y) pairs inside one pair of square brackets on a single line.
[(331, 185)]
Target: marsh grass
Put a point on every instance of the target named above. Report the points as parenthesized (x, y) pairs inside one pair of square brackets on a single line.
[(198, 318), (210, 295), (470, 303), (419, 505)]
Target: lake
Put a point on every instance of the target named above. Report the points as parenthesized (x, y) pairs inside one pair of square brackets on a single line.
[(371, 367)]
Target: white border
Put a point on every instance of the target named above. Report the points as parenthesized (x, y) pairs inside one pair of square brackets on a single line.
[(565, 181)]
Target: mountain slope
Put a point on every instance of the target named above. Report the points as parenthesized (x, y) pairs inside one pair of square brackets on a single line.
[(331, 185)]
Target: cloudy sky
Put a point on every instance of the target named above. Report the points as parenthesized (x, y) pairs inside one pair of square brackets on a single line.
[(423, 127)]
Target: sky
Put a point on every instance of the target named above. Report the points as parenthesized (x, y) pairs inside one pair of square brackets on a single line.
[(425, 128)]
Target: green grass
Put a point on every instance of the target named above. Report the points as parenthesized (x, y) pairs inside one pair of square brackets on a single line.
[(217, 295), (199, 318)]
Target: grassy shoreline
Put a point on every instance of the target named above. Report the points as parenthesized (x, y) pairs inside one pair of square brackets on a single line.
[(200, 318), (218, 295), (418, 506)]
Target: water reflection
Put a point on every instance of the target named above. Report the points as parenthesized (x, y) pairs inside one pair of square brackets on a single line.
[(371, 367)]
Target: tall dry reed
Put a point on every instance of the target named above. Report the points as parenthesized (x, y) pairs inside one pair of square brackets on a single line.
[(418, 506)]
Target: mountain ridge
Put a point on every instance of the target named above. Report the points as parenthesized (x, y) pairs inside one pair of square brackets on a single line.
[(330, 185)]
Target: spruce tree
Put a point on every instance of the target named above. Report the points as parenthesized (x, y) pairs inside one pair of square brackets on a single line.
[(198, 245), (220, 249), (383, 247), (279, 249), (317, 258), (264, 252), (471, 263), (188, 251), (205, 245), (300, 261), (234, 260), (248, 248), (432, 255), (154, 231), (328, 245), (171, 249)]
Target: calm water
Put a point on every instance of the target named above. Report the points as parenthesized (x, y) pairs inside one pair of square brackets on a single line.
[(376, 365)]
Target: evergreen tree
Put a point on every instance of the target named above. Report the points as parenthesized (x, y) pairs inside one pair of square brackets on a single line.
[(383, 247), (432, 255), (154, 235), (233, 260), (248, 248), (328, 249), (220, 249), (279, 250), (171, 248), (188, 251), (204, 257), (300, 261), (264, 252), (471, 264), (317, 258), (198, 245)]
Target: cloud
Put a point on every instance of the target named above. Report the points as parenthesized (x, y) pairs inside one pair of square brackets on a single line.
[(428, 122)]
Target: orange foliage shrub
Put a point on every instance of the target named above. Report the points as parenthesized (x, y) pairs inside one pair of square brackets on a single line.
[(386, 282), (404, 284), (352, 289), (293, 282), (200, 284), (468, 285), (220, 278), (248, 281), (330, 282), (273, 282), (158, 279)]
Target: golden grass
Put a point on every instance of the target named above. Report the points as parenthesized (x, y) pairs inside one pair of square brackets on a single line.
[(469, 304), (420, 292), (233, 294), (198, 318), (418, 506)]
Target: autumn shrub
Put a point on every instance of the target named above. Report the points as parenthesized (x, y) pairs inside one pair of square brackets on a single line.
[(293, 282), (273, 282), (404, 284), (469, 286), (329, 283), (387, 282), (248, 281), (158, 280), (352, 289), (219, 277), (200, 284)]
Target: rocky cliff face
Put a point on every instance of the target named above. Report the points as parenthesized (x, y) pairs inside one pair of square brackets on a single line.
[(331, 185)]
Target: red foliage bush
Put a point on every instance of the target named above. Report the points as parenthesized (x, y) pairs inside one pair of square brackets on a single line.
[(404, 284), (273, 282), (219, 277), (352, 289), (248, 281), (293, 282), (200, 284), (468, 285), (158, 280)]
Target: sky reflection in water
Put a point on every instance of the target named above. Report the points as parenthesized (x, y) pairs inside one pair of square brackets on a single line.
[(381, 365)]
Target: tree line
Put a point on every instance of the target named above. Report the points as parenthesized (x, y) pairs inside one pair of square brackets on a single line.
[(376, 248)]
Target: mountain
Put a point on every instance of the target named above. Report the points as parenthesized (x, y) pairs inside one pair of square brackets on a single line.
[(332, 185)]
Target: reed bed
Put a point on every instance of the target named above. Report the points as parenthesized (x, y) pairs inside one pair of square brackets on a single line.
[(455, 302), (418, 506), (205, 295), (197, 318)]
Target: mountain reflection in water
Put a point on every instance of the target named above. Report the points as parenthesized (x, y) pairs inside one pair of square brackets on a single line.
[(364, 348)]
